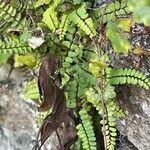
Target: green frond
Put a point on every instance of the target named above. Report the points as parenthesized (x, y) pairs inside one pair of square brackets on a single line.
[(50, 18), (86, 131), (111, 113), (13, 45), (114, 10), (109, 123), (129, 76), (11, 15), (80, 17), (63, 27), (71, 95)]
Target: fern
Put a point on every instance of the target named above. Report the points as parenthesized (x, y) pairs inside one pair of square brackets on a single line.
[(13, 45), (130, 76), (63, 26), (110, 115), (50, 18), (68, 30), (81, 19), (10, 16), (85, 130), (71, 94), (114, 10)]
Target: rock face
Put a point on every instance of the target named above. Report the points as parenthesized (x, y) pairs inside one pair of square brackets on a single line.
[(136, 126), (135, 101), (18, 127)]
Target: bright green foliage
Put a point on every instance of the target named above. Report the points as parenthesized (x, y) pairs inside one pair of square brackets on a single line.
[(13, 45), (86, 131), (50, 18), (81, 79), (3, 58), (31, 90), (141, 11), (41, 2), (119, 42), (111, 113), (129, 76), (79, 17), (63, 26), (29, 60)]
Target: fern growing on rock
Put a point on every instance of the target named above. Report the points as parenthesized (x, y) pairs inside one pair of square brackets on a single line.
[(75, 77)]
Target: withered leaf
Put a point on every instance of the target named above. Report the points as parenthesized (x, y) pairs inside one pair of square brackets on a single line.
[(47, 85), (54, 120), (53, 97)]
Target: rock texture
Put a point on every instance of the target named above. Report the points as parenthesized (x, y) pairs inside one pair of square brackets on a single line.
[(18, 128)]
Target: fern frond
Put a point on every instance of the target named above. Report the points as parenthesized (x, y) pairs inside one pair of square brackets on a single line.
[(115, 9), (71, 95), (11, 16), (111, 113), (13, 45), (50, 18), (63, 26), (109, 129), (129, 76), (86, 131), (80, 17)]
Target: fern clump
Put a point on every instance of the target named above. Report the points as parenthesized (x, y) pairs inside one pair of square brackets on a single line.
[(75, 81)]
